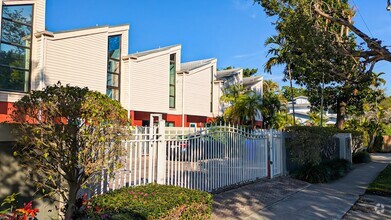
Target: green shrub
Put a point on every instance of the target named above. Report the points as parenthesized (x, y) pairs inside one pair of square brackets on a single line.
[(324, 172), (361, 157), (338, 167), (309, 145), (314, 173), (151, 202)]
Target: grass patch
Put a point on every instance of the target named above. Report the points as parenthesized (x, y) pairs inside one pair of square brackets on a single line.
[(382, 184)]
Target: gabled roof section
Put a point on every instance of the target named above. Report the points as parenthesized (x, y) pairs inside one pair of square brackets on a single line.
[(301, 97), (83, 31), (252, 80), (149, 52), (189, 66), (227, 73)]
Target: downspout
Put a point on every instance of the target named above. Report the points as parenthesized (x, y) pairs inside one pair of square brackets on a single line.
[(42, 63), (183, 100)]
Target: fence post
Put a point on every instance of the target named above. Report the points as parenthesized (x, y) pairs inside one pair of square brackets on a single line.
[(271, 154), (161, 153)]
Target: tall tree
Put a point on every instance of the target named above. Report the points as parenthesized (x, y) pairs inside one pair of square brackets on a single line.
[(323, 51), (247, 72), (68, 136)]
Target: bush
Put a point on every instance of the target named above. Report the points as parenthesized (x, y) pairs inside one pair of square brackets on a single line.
[(361, 157), (151, 202), (309, 145), (324, 172), (314, 173)]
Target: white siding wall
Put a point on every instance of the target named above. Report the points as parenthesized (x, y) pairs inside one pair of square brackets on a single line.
[(79, 58), (149, 84), (258, 88), (80, 61), (197, 92)]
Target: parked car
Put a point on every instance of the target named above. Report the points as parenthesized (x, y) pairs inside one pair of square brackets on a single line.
[(193, 148)]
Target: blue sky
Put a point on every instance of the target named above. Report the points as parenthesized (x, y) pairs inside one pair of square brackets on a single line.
[(233, 31)]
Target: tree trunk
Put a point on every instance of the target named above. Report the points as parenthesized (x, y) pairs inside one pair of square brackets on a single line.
[(292, 95), (341, 113), (72, 196)]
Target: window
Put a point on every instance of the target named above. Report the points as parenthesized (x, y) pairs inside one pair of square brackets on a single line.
[(114, 67), (15, 47), (170, 124), (172, 80), (211, 89)]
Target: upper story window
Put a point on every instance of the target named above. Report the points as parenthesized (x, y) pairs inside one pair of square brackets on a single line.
[(114, 67), (172, 80), (15, 48)]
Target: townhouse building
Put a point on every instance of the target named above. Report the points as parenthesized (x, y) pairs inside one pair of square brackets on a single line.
[(182, 92), (32, 57), (303, 109), (145, 83)]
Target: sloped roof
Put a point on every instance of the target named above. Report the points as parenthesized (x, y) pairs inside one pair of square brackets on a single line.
[(186, 67), (252, 80), (301, 97), (148, 52), (227, 73), (89, 28)]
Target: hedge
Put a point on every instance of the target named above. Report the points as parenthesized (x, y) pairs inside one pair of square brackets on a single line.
[(361, 157), (324, 172), (151, 202)]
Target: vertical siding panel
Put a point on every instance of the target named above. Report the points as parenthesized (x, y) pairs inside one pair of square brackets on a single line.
[(149, 84), (80, 61), (197, 93)]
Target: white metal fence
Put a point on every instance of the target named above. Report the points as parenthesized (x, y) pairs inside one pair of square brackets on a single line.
[(207, 159)]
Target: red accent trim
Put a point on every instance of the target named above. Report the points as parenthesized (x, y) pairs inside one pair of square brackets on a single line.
[(6, 109), (258, 124), (137, 118)]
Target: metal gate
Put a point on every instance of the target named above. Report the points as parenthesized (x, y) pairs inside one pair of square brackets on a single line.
[(207, 159)]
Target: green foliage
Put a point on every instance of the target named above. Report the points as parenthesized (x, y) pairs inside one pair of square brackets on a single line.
[(244, 105), (287, 92), (63, 134), (152, 202), (249, 72), (308, 145), (314, 173), (386, 103), (324, 172), (313, 50), (361, 157), (382, 184), (316, 120)]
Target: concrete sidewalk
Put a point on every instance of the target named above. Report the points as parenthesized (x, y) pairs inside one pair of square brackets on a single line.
[(242, 202), (326, 201)]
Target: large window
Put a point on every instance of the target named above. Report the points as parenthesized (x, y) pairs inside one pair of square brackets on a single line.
[(172, 80), (15, 47), (114, 67)]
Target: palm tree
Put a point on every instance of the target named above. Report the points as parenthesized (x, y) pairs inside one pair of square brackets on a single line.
[(270, 86), (281, 55), (244, 105)]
